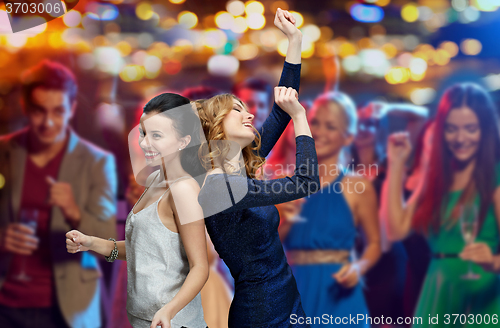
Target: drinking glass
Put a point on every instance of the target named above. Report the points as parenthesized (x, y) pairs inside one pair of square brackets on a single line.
[(28, 217), (469, 226)]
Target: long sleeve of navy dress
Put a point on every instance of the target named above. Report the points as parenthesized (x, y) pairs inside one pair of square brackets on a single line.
[(244, 228)]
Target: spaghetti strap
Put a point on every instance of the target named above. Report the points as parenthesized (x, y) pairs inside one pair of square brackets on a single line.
[(137, 202)]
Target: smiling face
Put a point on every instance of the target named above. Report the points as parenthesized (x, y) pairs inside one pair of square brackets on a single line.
[(462, 133), (237, 125), (49, 113), (159, 139), (328, 128)]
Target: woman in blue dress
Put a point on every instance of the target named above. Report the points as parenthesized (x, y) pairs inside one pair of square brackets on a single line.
[(319, 244), (239, 213)]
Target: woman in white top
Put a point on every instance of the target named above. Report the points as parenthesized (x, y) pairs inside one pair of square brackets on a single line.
[(165, 244)]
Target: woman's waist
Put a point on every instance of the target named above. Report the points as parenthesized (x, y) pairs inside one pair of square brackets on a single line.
[(318, 256)]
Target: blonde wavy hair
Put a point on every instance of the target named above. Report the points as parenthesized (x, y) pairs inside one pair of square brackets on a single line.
[(212, 113)]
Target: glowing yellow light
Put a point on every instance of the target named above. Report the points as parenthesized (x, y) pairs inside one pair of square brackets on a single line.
[(152, 75), (132, 73), (236, 8), (299, 19), (417, 77), (382, 3), (409, 12), (55, 40), (312, 31), (471, 47), (397, 75), (347, 49), (246, 51), (256, 21), (83, 46), (177, 2), (254, 7), (187, 19), (450, 47), (183, 46), (307, 50), (441, 57), (224, 20), (2, 181), (124, 48), (282, 47), (144, 11), (390, 50), (240, 25)]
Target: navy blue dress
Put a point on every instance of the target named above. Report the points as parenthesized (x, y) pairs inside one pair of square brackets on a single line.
[(245, 234)]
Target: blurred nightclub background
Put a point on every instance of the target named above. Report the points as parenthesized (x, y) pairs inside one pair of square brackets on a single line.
[(123, 52)]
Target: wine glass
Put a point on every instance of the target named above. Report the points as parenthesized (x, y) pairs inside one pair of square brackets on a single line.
[(28, 217), (469, 227)]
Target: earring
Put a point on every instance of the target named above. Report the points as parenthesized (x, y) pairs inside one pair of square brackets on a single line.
[(180, 148)]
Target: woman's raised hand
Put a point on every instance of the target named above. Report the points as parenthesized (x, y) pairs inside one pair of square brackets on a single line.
[(398, 147), (286, 23), (288, 100), (77, 242)]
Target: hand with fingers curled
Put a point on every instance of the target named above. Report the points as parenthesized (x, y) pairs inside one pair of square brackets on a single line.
[(348, 276), (399, 147), (481, 254), (285, 21), (77, 242), (288, 100), (18, 238), (162, 318), (61, 195)]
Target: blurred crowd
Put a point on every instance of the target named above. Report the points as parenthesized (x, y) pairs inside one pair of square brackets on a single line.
[(384, 237)]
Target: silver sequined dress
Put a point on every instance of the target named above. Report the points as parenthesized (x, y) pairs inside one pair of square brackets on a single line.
[(157, 266)]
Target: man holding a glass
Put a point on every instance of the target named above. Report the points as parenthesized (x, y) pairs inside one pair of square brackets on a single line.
[(54, 181)]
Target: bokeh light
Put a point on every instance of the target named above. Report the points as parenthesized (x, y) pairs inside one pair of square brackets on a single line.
[(312, 31), (256, 21), (240, 25), (422, 96), (187, 19), (299, 19), (471, 47), (223, 65), (72, 18), (236, 8), (409, 12), (144, 10), (450, 47), (254, 7), (246, 51), (351, 64), (224, 20)]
